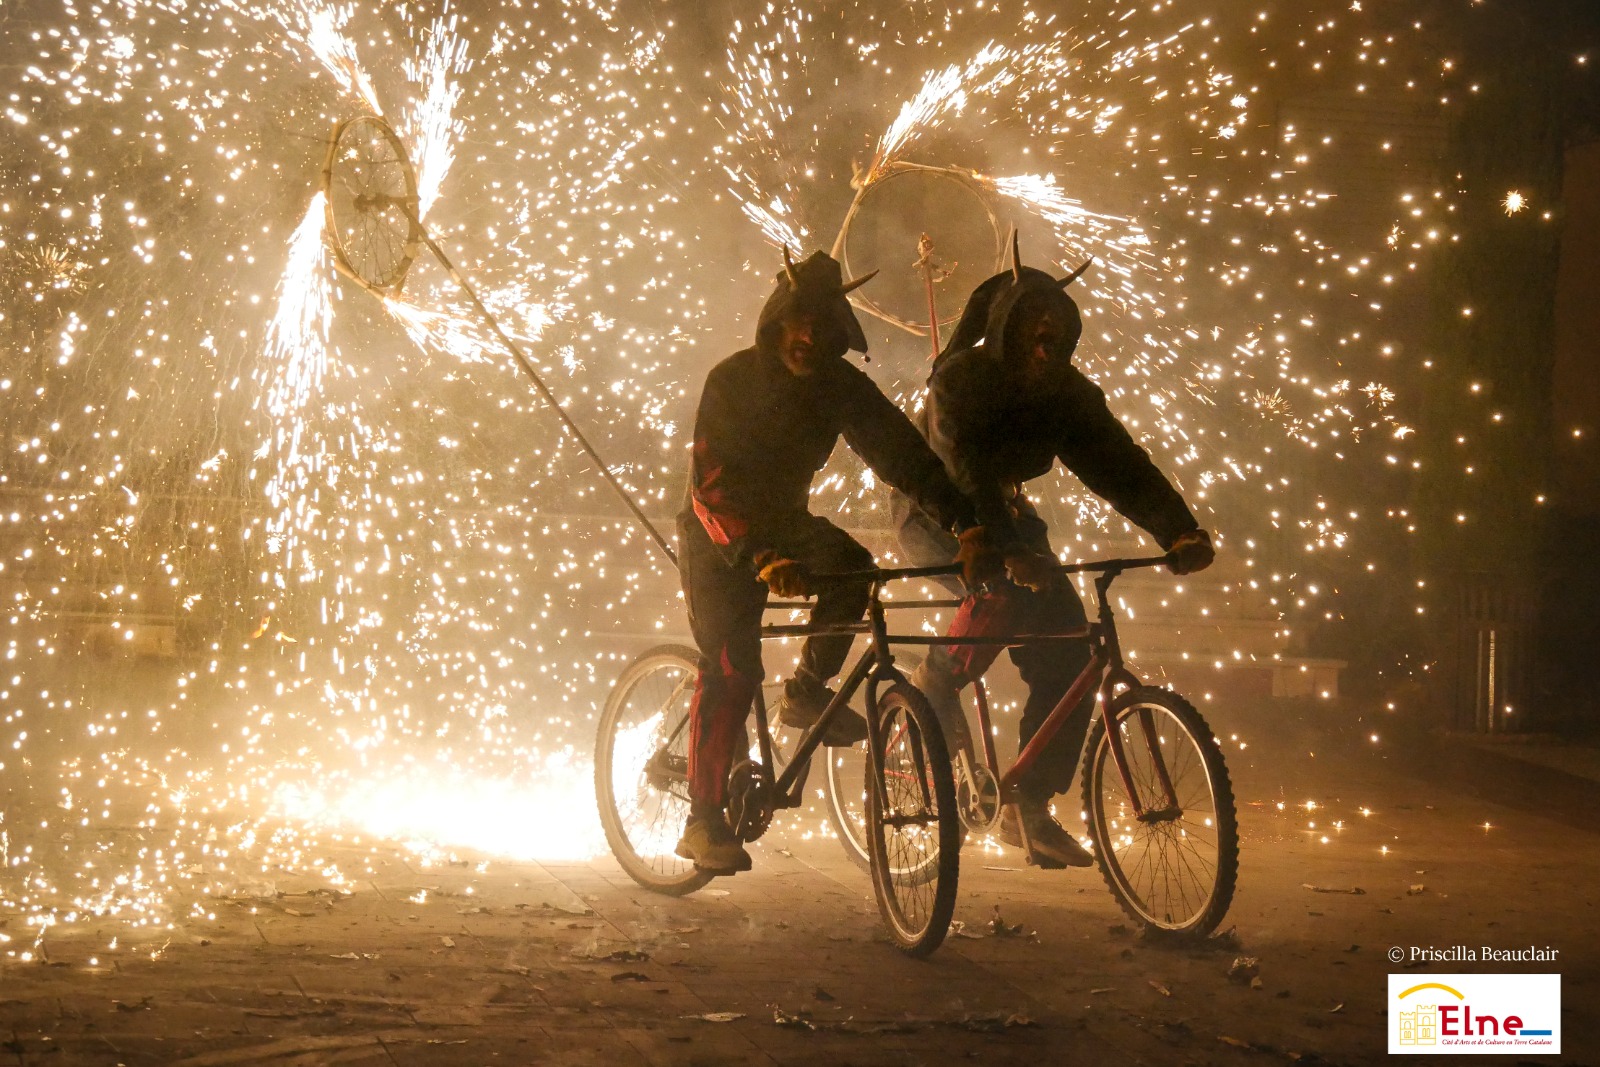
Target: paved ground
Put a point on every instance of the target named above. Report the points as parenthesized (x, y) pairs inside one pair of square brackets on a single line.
[(485, 961)]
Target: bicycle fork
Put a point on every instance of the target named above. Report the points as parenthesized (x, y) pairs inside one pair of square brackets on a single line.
[(1114, 674)]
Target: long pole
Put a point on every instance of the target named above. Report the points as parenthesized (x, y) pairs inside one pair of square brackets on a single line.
[(544, 391), (925, 261)]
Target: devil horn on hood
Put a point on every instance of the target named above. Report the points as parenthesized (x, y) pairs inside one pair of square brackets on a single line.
[(1016, 257), (1069, 279), (788, 268), (857, 283)]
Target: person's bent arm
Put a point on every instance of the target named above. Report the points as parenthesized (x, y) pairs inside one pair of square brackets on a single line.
[(715, 478), (957, 425), (1105, 457), (881, 435)]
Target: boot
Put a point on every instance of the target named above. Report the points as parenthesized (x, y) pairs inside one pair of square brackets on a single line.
[(711, 845), (1052, 847), (802, 704)]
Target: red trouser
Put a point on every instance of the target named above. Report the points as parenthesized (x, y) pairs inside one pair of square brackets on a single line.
[(1048, 667), (725, 605)]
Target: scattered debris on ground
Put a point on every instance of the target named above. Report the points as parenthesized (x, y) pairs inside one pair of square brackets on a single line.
[(1244, 968)]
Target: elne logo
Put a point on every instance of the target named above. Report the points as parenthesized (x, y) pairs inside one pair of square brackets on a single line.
[(1475, 1013)]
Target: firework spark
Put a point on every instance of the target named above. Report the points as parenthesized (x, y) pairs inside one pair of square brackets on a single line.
[(364, 549)]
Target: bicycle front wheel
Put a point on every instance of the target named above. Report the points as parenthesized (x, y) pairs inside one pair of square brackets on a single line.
[(913, 832), (641, 768), (1173, 868), (846, 773)]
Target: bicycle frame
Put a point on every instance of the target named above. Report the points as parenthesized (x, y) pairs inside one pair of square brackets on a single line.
[(875, 666), (1105, 665), (1104, 672)]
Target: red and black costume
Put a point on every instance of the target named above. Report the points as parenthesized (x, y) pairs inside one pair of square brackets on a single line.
[(761, 434), (994, 431)]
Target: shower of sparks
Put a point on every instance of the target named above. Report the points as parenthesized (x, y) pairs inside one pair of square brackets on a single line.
[(297, 363), (432, 128), (321, 29), (297, 336), (1514, 202), (441, 331), (1151, 355), (947, 90), (425, 807), (286, 560)]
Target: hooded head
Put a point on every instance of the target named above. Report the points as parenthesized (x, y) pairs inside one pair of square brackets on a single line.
[(1022, 318), (810, 298)]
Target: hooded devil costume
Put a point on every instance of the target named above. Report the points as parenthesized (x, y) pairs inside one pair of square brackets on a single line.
[(997, 424), (761, 434)]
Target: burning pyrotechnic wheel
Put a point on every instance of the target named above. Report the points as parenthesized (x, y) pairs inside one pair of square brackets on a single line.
[(949, 208), (371, 194), (375, 230), (1173, 868)]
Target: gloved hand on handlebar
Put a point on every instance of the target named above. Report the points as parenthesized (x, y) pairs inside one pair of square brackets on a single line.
[(979, 560), (1034, 570), (785, 577), (1191, 552)]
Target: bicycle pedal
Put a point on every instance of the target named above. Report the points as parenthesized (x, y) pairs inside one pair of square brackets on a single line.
[(1044, 863)]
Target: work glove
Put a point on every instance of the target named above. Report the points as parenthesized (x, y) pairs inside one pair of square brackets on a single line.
[(1035, 570), (1191, 552), (785, 577), (980, 562)]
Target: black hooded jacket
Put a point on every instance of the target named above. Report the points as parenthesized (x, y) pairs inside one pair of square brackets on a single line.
[(761, 433), (994, 431)]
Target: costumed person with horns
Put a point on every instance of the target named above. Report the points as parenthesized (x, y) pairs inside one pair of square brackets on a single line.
[(1004, 403), (769, 417)]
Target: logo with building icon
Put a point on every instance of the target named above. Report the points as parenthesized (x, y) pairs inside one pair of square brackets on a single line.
[(1420, 1027)]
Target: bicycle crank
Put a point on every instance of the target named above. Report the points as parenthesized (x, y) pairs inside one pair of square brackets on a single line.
[(749, 800), (977, 796)]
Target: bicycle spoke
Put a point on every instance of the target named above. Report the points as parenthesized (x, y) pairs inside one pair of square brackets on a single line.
[(908, 821), (648, 743), (1169, 868)]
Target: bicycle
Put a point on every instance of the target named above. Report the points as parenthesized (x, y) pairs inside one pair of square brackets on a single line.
[(1163, 826), (910, 832)]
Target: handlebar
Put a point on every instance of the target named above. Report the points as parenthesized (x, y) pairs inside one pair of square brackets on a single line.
[(889, 574)]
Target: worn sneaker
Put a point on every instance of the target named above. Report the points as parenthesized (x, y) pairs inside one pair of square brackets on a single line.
[(1049, 845), (802, 704), (711, 846)]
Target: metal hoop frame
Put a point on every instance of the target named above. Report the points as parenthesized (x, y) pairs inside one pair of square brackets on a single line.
[(417, 234), (409, 203), (888, 173)]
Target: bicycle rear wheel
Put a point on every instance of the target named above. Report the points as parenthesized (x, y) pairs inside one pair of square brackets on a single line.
[(844, 795), (1173, 869), (913, 833), (641, 768)]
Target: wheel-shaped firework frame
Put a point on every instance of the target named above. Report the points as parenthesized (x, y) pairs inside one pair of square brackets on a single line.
[(874, 185), (370, 196), (374, 227)]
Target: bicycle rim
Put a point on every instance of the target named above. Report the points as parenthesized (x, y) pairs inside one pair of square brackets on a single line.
[(914, 834), (1175, 874), (844, 792), (844, 785), (641, 765)]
